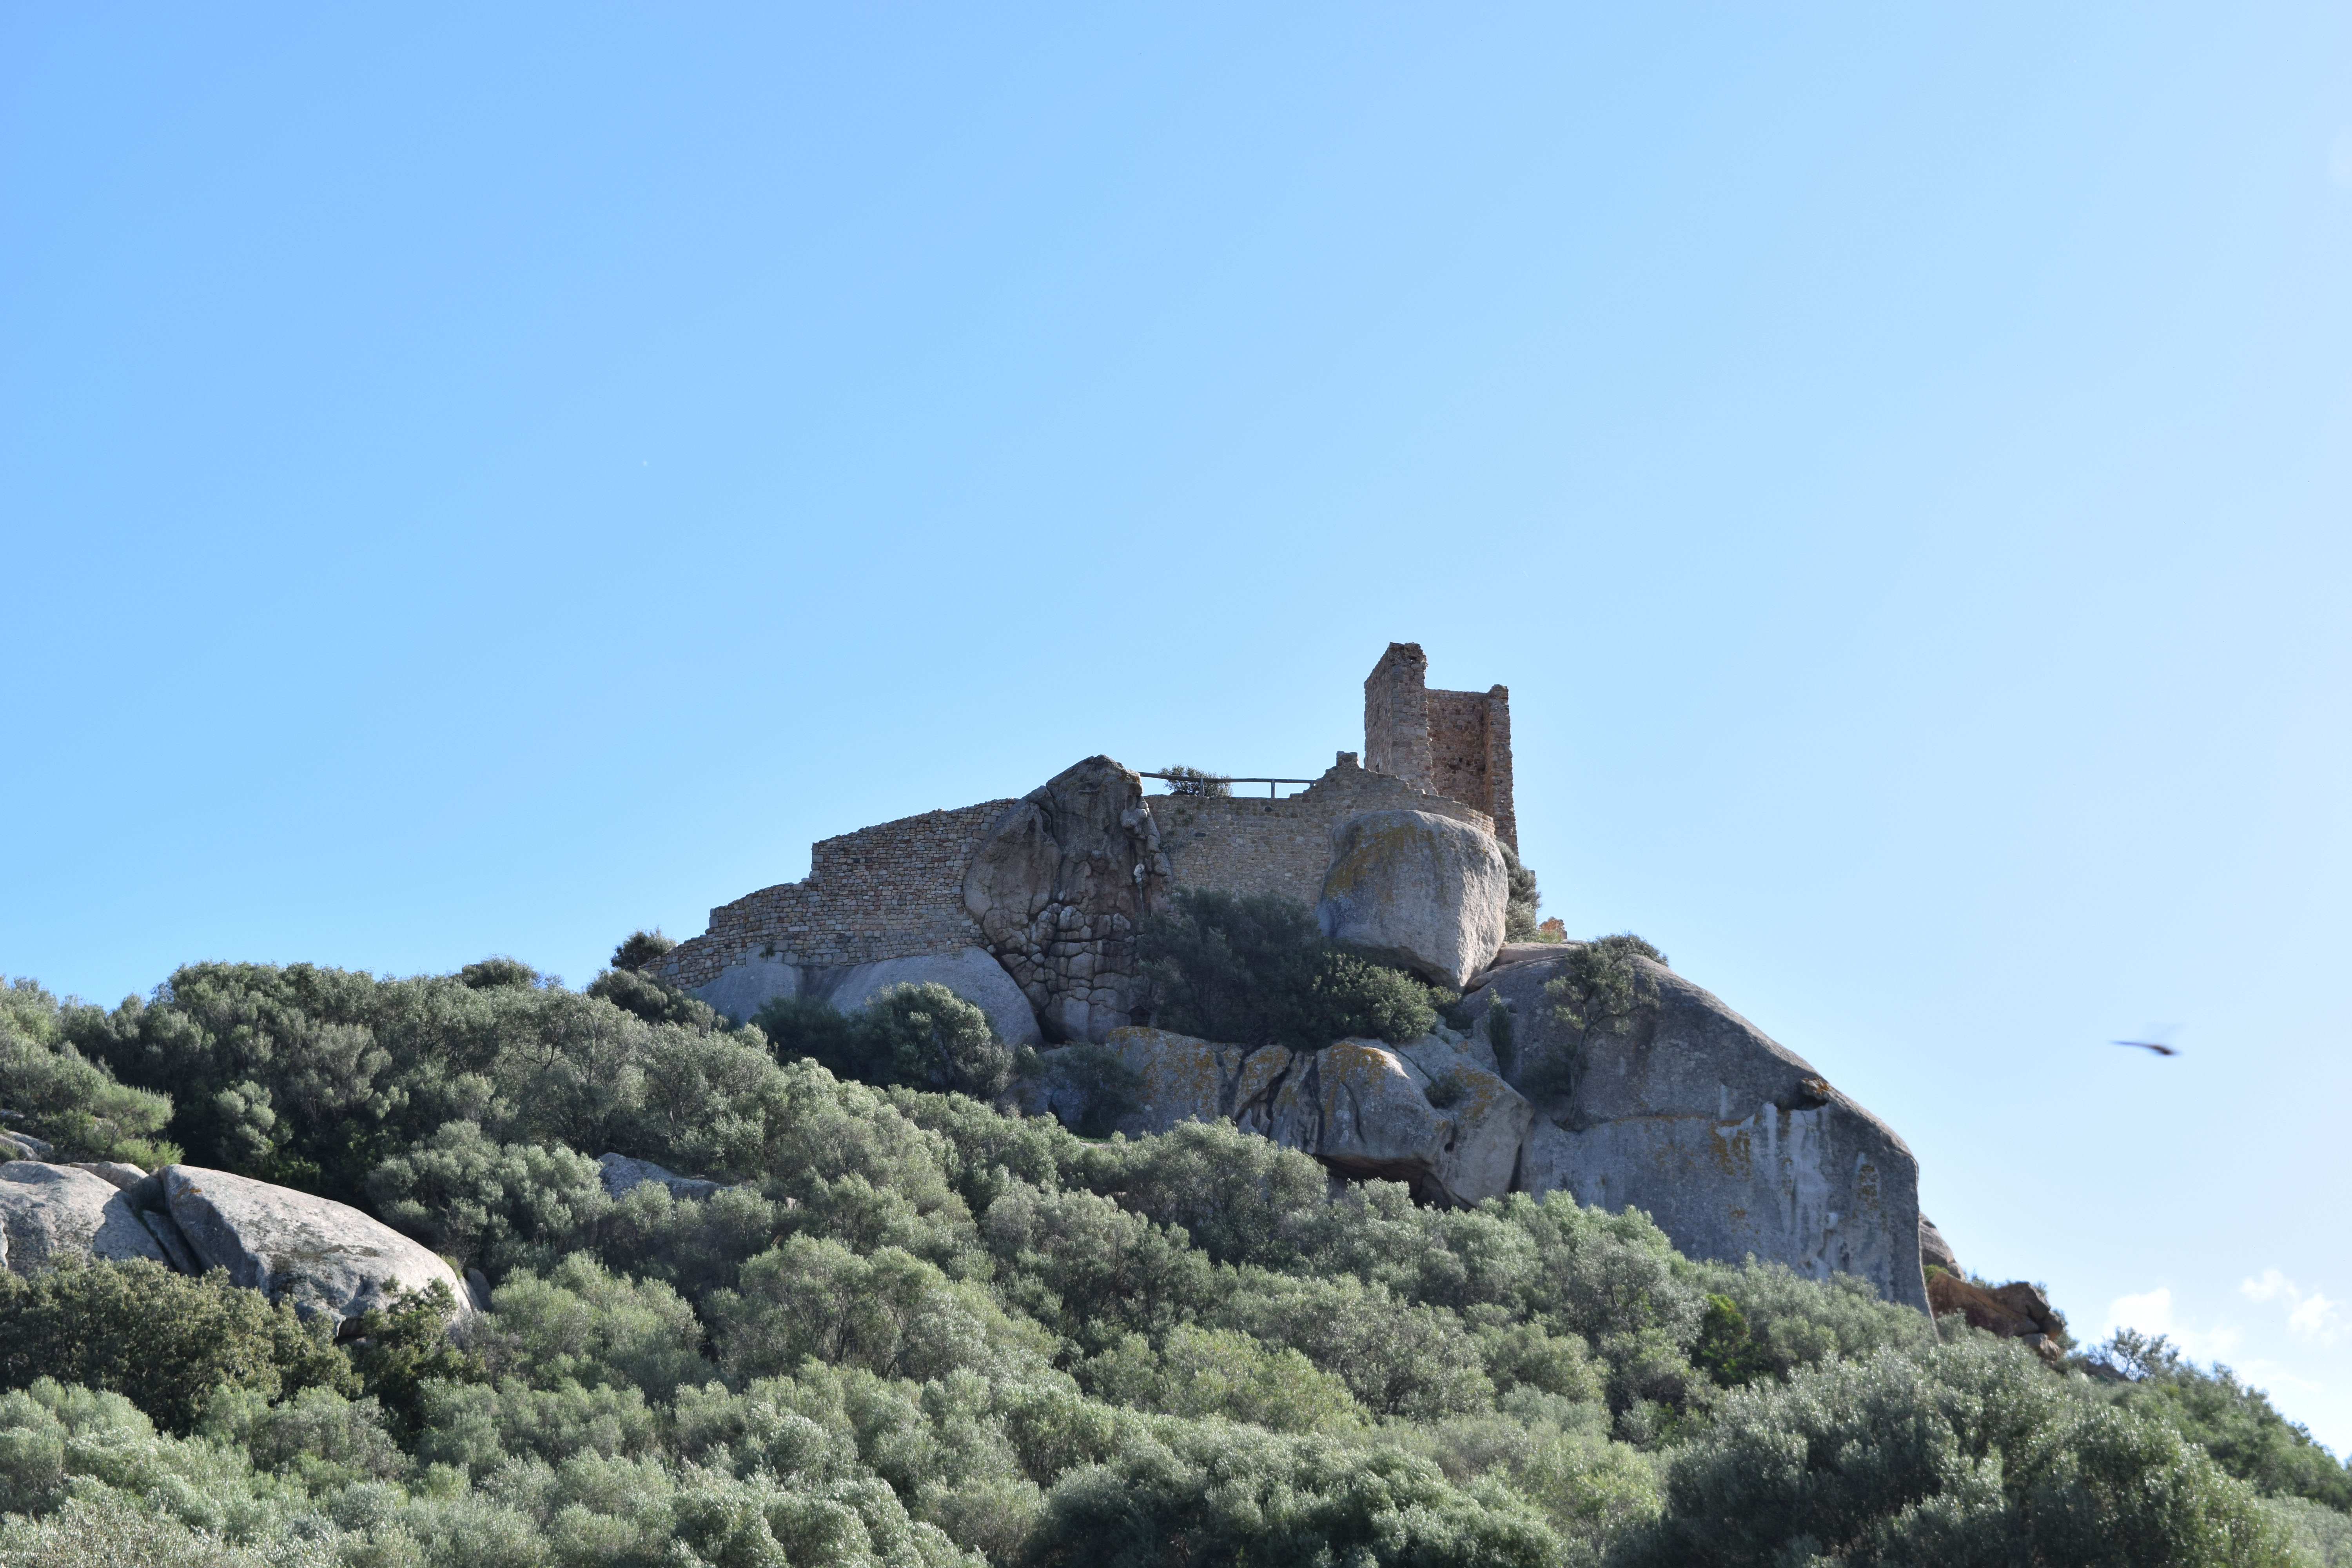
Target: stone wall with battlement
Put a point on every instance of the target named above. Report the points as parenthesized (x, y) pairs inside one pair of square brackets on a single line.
[(1244, 845), (892, 890)]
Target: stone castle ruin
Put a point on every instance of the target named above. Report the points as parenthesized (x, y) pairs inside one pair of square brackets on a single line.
[(934, 896), (1030, 907)]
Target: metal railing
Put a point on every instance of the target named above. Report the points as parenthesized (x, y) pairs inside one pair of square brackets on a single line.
[(1223, 779)]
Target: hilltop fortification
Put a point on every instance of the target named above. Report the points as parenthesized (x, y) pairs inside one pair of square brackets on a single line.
[(1031, 906)]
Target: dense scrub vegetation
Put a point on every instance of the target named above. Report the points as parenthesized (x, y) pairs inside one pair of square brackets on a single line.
[(914, 1329), (1255, 969)]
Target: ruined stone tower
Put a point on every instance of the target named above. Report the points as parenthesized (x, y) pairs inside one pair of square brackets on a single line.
[(1456, 743)]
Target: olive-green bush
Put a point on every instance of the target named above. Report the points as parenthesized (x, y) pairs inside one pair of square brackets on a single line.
[(52, 1091), (1255, 969)]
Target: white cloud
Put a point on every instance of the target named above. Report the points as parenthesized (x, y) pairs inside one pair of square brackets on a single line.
[(2151, 1313), (2271, 1375), (2311, 1316)]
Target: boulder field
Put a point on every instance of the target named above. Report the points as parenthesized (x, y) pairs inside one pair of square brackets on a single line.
[(1730, 1141)]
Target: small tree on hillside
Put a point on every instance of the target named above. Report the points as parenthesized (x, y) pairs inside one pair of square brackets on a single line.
[(641, 948), (1602, 989)]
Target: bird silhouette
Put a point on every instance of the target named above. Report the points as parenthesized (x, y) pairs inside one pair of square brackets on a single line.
[(2148, 1045)]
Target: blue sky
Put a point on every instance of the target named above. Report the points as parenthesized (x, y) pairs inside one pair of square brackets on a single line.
[(480, 483)]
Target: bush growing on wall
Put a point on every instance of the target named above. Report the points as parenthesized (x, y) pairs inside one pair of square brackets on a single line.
[(1181, 780)]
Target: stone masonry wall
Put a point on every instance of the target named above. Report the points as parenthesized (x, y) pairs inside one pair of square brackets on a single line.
[(1243, 844), (892, 890), (1456, 743), (1470, 752), (1396, 715)]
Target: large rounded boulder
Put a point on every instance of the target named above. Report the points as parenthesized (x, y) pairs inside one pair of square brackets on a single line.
[(324, 1255), (1418, 890)]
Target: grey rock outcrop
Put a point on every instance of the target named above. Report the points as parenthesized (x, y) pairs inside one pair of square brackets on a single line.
[(114, 1171), (749, 983), (324, 1255), (25, 1146), (1416, 890), (1732, 1143), (1934, 1249), (1058, 886), (1362, 1108), (621, 1174), (743, 988), (48, 1211), (167, 1237)]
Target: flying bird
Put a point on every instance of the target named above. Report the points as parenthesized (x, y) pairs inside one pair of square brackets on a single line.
[(2148, 1045)]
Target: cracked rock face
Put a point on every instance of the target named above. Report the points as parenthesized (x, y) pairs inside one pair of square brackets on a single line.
[(1059, 885)]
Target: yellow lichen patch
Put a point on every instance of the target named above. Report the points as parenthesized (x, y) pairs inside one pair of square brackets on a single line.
[(1180, 1073), (1735, 1149)]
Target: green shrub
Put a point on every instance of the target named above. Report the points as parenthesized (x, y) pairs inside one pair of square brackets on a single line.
[(1218, 1372), (1969, 1452), (2321, 1536), (69, 1102), (1522, 900), (1217, 1492), (640, 949), (488, 1204), (1181, 780), (586, 1324), (654, 1000), (1600, 990), (161, 1340), (1255, 969), (398, 1352), (889, 1312), (925, 1037), (933, 1038), (492, 973), (2235, 1423)]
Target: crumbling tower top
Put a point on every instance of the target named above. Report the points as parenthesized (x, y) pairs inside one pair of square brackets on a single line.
[(1455, 743)]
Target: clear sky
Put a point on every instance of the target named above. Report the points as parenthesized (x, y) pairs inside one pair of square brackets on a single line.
[(481, 479)]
